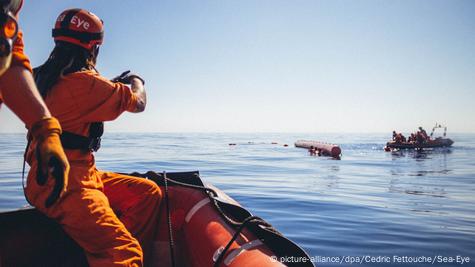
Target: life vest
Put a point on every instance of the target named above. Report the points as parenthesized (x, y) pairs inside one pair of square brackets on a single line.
[(86, 143)]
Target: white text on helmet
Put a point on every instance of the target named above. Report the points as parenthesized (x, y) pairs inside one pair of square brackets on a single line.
[(78, 22)]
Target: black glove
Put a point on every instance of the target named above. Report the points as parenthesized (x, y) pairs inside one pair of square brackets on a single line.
[(126, 77)]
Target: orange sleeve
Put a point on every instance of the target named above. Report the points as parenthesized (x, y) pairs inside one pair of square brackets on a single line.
[(18, 56), (107, 100)]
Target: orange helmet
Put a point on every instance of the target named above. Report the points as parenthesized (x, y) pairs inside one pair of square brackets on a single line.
[(79, 27)]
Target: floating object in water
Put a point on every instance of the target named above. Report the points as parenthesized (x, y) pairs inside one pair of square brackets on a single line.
[(274, 143), (325, 149), (286, 145), (232, 144), (202, 226)]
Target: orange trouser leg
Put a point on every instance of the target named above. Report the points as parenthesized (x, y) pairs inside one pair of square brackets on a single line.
[(85, 214), (136, 201)]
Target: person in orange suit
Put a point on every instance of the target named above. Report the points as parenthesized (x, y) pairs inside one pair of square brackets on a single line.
[(18, 91), (113, 217)]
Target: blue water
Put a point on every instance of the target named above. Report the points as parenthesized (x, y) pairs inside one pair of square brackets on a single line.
[(370, 203)]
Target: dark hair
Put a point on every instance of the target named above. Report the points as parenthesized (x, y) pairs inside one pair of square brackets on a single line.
[(65, 58)]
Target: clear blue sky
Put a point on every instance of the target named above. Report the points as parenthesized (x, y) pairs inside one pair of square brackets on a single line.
[(282, 66)]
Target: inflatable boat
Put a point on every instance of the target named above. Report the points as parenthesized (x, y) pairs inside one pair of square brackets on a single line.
[(432, 142), (438, 142), (202, 227)]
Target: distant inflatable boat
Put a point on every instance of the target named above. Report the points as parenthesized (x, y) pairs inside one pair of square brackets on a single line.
[(432, 142), (438, 142)]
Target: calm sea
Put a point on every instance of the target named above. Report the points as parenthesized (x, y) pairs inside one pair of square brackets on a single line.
[(372, 203)]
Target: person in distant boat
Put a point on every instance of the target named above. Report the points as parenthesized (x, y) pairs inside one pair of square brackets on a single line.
[(423, 133), (394, 135), (113, 217), (19, 92), (403, 138), (400, 138), (420, 138)]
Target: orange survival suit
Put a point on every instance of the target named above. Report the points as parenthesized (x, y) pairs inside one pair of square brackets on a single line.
[(18, 91), (102, 211), (112, 217)]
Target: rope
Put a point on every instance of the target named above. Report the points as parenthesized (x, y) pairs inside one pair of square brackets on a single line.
[(23, 171), (169, 221), (235, 236), (206, 189), (211, 194)]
